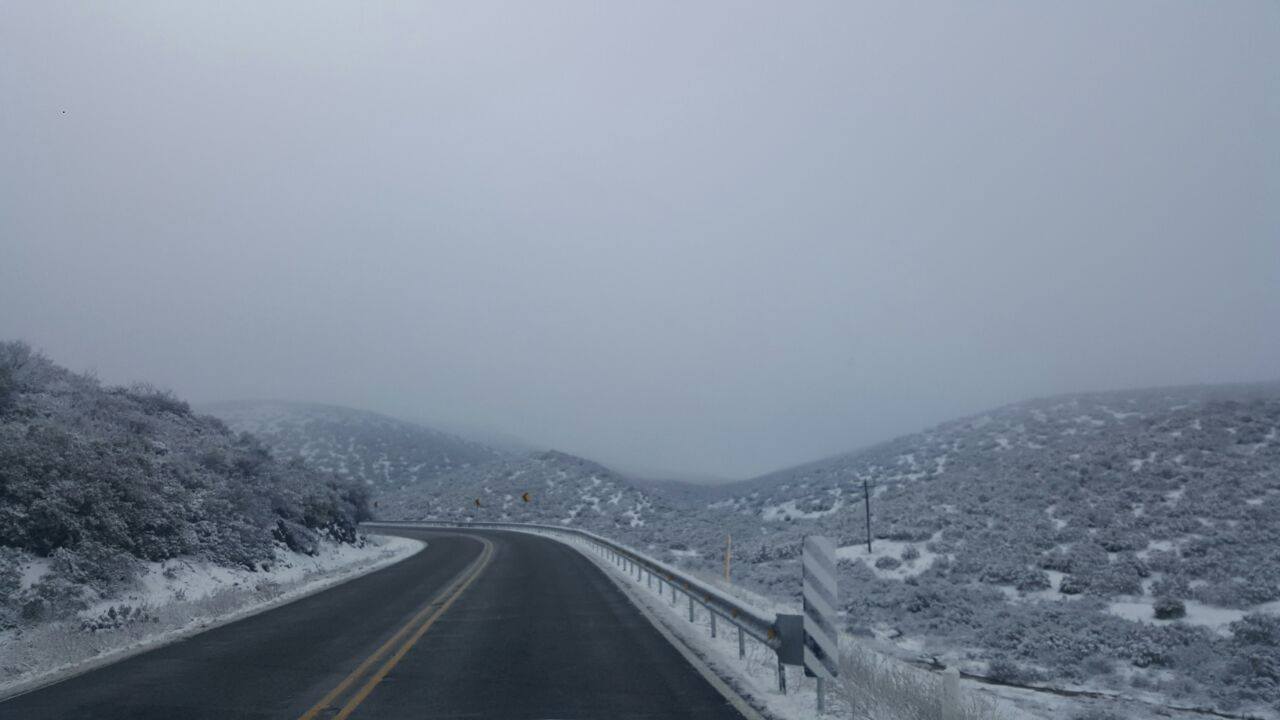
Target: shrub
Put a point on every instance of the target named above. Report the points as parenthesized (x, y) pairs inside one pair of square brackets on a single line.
[(1097, 665), (97, 567), (1167, 608), (1032, 580), (116, 618), (888, 562), (1073, 585), (1006, 671), (1256, 629), (1116, 579), (155, 401), (8, 389)]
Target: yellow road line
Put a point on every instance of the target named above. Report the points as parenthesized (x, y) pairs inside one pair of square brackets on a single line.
[(449, 595)]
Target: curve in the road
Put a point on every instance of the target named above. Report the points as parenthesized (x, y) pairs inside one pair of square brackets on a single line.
[(481, 624)]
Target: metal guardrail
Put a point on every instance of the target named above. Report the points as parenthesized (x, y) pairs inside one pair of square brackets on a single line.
[(748, 621)]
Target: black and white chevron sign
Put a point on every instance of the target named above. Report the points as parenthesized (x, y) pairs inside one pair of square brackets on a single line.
[(821, 641)]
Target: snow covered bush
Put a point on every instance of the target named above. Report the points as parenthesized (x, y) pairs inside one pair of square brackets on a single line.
[(97, 479), (888, 562), (1257, 629), (1006, 671), (116, 618), (1167, 608)]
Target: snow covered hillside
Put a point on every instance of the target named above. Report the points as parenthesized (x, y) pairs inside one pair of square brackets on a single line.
[(98, 484), (562, 489), (381, 452), (1127, 542)]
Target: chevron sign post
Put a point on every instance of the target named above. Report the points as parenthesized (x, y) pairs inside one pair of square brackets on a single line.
[(821, 642)]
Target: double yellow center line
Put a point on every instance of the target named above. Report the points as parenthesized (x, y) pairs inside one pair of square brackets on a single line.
[(406, 637)]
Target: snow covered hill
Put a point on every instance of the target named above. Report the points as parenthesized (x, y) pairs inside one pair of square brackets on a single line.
[(379, 451), (1125, 541), (114, 501), (562, 489)]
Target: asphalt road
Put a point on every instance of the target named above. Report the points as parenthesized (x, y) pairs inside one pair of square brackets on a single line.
[(479, 625)]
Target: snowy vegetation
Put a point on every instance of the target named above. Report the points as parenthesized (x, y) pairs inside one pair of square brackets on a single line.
[(562, 489), (381, 452), (98, 483), (1124, 542), (1128, 542), (1018, 541)]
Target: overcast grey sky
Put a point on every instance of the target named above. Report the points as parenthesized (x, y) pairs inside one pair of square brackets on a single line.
[(696, 238)]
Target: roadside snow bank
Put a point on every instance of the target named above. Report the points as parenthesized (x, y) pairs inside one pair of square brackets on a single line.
[(176, 599)]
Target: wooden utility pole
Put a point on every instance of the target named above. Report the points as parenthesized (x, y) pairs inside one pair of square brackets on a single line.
[(728, 554), (866, 495)]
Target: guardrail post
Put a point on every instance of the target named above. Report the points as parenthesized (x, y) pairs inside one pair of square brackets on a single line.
[(742, 644), (673, 594), (713, 622), (690, 607), (648, 580), (951, 693)]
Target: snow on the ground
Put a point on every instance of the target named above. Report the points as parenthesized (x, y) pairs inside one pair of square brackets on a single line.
[(181, 598), (891, 549), (1214, 618), (166, 582), (788, 510), (33, 571)]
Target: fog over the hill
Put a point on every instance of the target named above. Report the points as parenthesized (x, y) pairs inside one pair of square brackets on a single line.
[(703, 239)]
